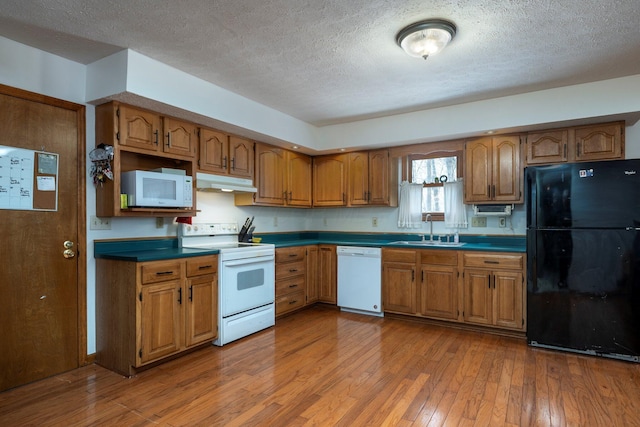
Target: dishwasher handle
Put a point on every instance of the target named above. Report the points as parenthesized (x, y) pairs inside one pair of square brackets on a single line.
[(357, 251)]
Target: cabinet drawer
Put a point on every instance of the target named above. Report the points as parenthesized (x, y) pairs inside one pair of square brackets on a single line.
[(497, 260), (202, 265), (399, 255), (289, 302), (289, 285), (438, 257), (290, 269), (296, 253), (161, 271)]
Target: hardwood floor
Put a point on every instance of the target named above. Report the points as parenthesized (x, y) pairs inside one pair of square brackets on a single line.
[(323, 367)]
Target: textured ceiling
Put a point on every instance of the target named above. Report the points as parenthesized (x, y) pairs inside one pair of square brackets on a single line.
[(334, 61)]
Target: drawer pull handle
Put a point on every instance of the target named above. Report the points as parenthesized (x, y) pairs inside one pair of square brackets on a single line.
[(204, 267), (293, 302), (293, 270), (293, 286), (164, 273), (486, 261)]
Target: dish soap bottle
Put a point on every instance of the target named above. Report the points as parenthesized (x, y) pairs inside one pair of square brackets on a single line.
[(456, 238)]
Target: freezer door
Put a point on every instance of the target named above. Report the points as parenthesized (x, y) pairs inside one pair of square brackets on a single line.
[(583, 290), (584, 195)]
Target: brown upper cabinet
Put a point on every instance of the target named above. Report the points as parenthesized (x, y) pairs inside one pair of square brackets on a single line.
[(362, 178), (141, 140), (224, 154), (283, 178), (371, 179), (145, 130), (576, 144), (492, 170)]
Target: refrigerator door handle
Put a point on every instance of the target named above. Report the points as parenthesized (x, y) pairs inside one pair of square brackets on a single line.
[(632, 228)]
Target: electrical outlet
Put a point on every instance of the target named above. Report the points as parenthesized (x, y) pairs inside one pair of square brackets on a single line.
[(374, 221), (502, 222), (100, 223), (479, 221), (159, 222), (275, 221), (324, 221)]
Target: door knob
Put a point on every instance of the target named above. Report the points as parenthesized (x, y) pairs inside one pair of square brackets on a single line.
[(68, 253), (68, 244)]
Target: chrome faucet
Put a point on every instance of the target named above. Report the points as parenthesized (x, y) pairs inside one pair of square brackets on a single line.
[(430, 221)]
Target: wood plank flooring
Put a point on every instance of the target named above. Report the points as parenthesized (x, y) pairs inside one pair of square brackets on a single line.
[(321, 367)]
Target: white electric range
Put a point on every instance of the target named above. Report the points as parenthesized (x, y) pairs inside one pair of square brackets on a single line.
[(246, 278)]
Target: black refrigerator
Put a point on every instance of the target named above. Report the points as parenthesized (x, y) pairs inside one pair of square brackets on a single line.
[(583, 257)]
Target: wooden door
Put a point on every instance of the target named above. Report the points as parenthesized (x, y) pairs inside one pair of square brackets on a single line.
[(214, 152), (399, 287), (379, 178), (477, 297), (43, 322), (159, 316), (312, 290), (330, 180), (598, 142), (508, 299), (270, 175), (478, 170), (241, 154), (439, 292), (327, 274), (506, 169), (180, 138), (358, 178), (201, 314), (138, 128), (298, 180), (547, 147)]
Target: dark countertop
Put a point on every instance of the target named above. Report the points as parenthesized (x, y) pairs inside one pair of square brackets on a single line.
[(167, 248), (145, 250)]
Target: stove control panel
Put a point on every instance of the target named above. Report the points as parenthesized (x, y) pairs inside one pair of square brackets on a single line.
[(207, 229)]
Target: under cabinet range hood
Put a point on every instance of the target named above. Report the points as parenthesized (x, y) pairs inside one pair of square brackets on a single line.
[(218, 183)]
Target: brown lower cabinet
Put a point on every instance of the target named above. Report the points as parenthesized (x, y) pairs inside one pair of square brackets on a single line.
[(481, 288), (297, 278), (146, 311)]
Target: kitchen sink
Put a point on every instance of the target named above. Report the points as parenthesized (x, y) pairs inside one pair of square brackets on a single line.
[(429, 243)]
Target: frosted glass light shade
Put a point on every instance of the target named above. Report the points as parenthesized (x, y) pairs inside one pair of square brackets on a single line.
[(426, 38)]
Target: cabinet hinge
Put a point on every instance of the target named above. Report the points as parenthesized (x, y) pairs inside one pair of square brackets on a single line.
[(140, 296), (522, 321), (118, 112), (140, 353), (118, 136)]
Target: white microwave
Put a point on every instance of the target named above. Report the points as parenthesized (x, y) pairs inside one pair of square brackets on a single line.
[(157, 190)]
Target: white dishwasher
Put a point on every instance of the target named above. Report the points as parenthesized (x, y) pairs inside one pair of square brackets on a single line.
[(359, 280)]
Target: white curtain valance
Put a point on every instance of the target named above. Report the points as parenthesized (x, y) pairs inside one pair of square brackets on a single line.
[(455, 212), (410, 212)]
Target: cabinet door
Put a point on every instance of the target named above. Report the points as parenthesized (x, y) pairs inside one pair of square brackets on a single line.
[(138, 128), (599, 142), (547, 147), (477, 297), (330, 181), (180, 138), (201, 309), (160, 314), (358, 179), (399, 287), (269, 175), (312, 290), (327, 274), (508, 299), (298, 180), (506, 169), (214, 151), (478, 169), (241, 154), (379, 185), (439, 292)]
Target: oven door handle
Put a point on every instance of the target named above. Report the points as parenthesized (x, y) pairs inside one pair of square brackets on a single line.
[(247, 261)]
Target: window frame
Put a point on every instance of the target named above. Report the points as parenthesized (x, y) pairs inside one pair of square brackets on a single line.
[(435, 216)]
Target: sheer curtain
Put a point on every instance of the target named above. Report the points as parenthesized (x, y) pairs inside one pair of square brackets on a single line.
[(410, 212), (455, 213)]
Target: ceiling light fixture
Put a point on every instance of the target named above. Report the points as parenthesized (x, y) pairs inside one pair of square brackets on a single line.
[(426, 38)]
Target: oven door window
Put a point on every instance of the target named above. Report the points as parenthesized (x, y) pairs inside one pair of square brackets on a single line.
[(246, 284)]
